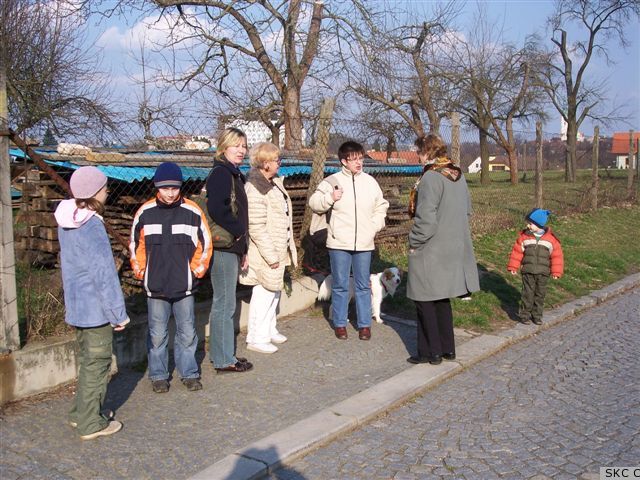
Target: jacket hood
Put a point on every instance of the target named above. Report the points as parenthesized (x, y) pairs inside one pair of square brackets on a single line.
[(68, 215)]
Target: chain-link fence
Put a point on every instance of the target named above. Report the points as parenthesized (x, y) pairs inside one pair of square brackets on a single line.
[(129, 161)]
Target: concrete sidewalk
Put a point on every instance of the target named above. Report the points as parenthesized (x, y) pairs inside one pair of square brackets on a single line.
[(245, 425)]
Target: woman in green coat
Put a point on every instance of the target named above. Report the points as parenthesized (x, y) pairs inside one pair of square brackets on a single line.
[(441, 260)]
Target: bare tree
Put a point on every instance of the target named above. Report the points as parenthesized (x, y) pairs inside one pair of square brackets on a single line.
[(230, 30), (494, 82), (52, 77), (565, 81), (396, 67), (155, 103)]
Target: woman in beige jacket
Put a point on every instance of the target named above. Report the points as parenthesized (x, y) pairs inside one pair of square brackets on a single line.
[(355, 208), (271, 246)]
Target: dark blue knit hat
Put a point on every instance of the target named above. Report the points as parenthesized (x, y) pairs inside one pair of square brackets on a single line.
[(538, 217), (168, 174)]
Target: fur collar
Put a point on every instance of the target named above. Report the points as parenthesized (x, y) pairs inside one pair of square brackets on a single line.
[(258, 180)]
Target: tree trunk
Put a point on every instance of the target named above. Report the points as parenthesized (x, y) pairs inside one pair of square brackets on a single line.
[(484, 157), (391, 146), (512, 153), (513, 164), (570, 158), (293, 140)]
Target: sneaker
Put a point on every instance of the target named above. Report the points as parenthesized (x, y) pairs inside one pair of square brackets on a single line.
[(107, 414), (160, 386), (192, 384), (262, 347), (111, 428), (278, 338)]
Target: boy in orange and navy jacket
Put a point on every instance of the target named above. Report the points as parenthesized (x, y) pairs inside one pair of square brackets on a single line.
[(170, 247), (538, 254)]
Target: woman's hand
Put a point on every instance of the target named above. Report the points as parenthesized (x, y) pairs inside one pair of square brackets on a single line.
[(274, 265), (337, 193), (244, 264)]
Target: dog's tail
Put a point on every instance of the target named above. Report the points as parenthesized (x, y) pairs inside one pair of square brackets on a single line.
[(324, 292)]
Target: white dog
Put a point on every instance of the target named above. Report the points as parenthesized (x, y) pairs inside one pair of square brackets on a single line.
[(382, 284)]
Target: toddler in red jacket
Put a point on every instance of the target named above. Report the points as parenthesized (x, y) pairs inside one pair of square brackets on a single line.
[(538, 254)]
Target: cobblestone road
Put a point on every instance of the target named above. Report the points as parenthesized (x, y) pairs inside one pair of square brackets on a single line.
[(175, 435), (559, 405)]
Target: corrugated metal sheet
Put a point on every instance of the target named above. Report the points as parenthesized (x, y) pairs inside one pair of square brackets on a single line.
[(290, 168)]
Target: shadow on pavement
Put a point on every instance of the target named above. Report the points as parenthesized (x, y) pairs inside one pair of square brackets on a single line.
[(506, 293), (121, 386)]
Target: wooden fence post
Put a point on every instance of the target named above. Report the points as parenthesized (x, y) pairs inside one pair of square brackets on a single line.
[(594, 168), (455, 137), (631, 168), (9, 328), (538, 174), (317, 168)]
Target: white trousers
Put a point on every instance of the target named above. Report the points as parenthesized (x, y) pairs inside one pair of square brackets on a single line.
[(262, 315)]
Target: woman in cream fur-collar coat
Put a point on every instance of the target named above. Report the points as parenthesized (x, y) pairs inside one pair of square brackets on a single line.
[(271, 246)]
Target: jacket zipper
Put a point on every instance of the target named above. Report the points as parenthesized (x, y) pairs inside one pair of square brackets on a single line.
[(355, 209)]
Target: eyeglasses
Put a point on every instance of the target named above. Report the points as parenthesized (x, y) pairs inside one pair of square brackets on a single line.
[(355, 159)]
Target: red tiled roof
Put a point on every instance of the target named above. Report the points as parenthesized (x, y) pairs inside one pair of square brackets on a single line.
[(406, 156), (620, 144)]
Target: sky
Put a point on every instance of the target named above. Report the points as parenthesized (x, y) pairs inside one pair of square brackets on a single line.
[(517, 18)]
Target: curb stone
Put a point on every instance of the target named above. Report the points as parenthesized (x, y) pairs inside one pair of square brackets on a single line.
[(270, 453)]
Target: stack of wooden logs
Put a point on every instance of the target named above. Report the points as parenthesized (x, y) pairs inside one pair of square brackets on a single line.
[(35, 227)]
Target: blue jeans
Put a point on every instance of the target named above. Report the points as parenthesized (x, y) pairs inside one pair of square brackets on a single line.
[(342, 262), (224, 279), (185, 343)]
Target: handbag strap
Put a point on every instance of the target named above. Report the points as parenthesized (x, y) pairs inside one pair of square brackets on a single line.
[(234, 204)]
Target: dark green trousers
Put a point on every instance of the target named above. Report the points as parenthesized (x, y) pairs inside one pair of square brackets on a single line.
[(534, 289), (94, 358)]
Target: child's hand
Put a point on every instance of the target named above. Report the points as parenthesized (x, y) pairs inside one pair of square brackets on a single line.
[(555, 277), (513, 272)]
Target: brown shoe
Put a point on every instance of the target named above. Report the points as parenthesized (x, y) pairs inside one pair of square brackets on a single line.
[(341, 333), (364, 333)]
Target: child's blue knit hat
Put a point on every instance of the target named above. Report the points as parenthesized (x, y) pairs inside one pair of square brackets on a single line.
[(168, 174), (538, 217)]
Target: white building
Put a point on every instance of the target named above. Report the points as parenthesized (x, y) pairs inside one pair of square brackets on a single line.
[(563, 132), (496, 164), (257, 132)]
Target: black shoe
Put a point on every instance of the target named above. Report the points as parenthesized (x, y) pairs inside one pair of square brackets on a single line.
[(449, 356), (160, 386), (192, 384), (436, 360), (525, 321), (537, 321), (238, 367)]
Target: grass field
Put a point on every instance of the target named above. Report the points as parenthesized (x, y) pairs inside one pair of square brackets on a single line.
[(599, 248)]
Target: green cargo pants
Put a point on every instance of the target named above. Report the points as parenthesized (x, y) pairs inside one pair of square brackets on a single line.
[(94, 358), (534, 289)]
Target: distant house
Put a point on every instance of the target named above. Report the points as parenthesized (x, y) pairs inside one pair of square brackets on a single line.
[(402, 157), (620, 148), (257, 132), (496, 164)]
